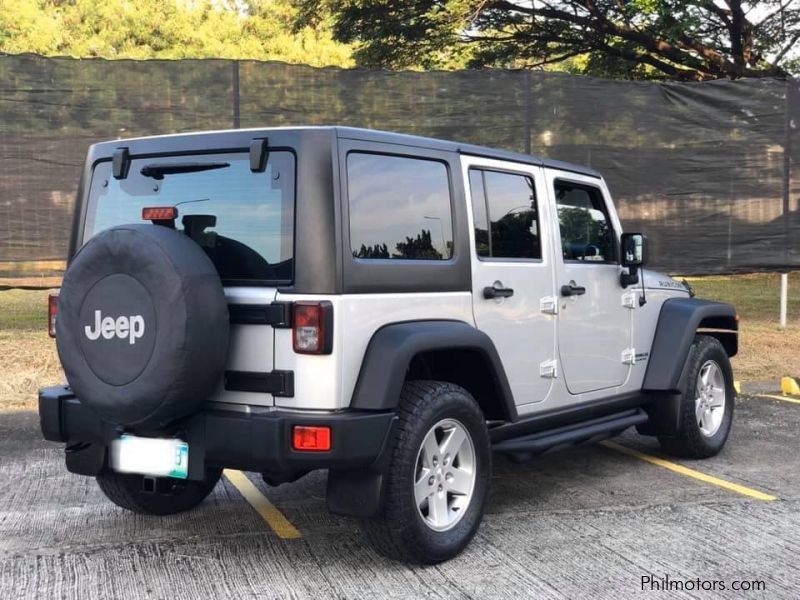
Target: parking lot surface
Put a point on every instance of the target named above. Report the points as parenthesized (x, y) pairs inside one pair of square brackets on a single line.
[(590, 522)]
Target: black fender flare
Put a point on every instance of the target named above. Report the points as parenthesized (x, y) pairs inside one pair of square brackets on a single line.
[(678, 322), (380, 381), (393, 346)]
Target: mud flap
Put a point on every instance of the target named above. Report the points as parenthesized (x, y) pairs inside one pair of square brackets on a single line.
[(664, 409), (664, 416), (355, 493)]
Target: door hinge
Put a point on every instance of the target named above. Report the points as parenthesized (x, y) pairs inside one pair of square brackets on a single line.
[(277, 383), (549, 369), (548, 305), (629, 300), (276, 314), (629, 356)]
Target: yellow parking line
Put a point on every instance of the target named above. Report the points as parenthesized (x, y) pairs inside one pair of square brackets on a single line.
[(775, 397), (728, 485), (274, 518)]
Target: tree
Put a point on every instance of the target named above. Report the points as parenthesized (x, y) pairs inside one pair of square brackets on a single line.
[(419, 248), (257, 29), (578, 227), (641, 39), (513, 234), (376, 251)]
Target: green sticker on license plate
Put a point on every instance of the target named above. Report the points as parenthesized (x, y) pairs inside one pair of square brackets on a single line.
[(181, 467), (151, 456)]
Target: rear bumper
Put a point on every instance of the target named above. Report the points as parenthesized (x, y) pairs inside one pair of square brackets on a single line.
[(226, 439)]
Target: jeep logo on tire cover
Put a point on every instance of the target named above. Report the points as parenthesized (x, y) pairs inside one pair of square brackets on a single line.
[(117, 328), (131, 327)]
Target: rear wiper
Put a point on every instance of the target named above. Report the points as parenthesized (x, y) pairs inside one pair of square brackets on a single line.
[(158, 170)]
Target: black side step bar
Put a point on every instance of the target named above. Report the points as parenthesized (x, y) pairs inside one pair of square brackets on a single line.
[(569, 435)]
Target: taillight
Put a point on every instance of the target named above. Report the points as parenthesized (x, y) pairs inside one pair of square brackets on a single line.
[(52, 312), (312, 330), (311, 438)]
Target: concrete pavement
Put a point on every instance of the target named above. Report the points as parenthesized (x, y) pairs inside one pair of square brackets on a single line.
[(585, 523)]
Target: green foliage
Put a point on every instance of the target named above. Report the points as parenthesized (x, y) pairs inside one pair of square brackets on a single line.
[(580, 231), (636, 39), (419, 248), (376, 251), (257, 29), (512, 234), (577, 225)]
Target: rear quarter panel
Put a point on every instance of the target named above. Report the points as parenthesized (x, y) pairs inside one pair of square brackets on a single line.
[(327, 382)]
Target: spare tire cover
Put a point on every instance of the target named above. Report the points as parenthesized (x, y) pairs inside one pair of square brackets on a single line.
[(142, 326)]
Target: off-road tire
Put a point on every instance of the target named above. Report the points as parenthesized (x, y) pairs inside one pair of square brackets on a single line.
[(175, 495), (690, 441), (399, 532)]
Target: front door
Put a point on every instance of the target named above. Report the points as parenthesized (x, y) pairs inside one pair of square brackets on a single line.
[(512, 273), (595, 316)]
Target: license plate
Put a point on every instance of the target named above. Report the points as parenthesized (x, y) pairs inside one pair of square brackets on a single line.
[(150, 456)]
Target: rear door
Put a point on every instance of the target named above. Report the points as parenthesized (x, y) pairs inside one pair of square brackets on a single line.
[(251, 348), (512, 273), (244, 221), (595, 312)]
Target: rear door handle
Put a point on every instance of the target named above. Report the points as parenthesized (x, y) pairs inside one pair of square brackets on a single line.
[(572, 290), (491, 292)]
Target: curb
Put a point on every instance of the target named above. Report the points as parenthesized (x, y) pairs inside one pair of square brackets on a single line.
[(789, 386)]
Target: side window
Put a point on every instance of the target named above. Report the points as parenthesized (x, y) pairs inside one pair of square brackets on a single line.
[(399, 207), (505, 215), (586, 231)]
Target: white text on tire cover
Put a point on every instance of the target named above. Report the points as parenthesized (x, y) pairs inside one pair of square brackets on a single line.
[(131, 327)]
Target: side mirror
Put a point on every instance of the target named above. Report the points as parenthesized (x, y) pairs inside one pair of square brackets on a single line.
[(634, 250)]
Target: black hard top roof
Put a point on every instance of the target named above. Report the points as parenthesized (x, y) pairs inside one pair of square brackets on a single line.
[(372, 135), (375, 135)]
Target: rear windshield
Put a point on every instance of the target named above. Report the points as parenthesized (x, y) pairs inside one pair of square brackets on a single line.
[(243, 220)]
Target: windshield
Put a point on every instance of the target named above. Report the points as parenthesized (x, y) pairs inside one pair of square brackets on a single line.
[(243, 220)]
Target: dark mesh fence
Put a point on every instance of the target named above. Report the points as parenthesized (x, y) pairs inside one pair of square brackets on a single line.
[(709, 171)]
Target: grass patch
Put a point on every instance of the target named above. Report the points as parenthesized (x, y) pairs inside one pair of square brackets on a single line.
[(765, 351), (755, 296), (29, 362), (29, 358), (23, 310)]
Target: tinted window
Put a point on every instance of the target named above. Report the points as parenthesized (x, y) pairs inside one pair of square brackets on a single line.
[(586, 232), (505, 215), (399, 207), (243, 220)]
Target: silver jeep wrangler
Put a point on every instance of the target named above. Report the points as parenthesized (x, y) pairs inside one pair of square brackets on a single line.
[(387, 307)]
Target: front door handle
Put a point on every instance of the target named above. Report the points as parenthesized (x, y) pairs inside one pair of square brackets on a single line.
[(572, 290), (491, 292)]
